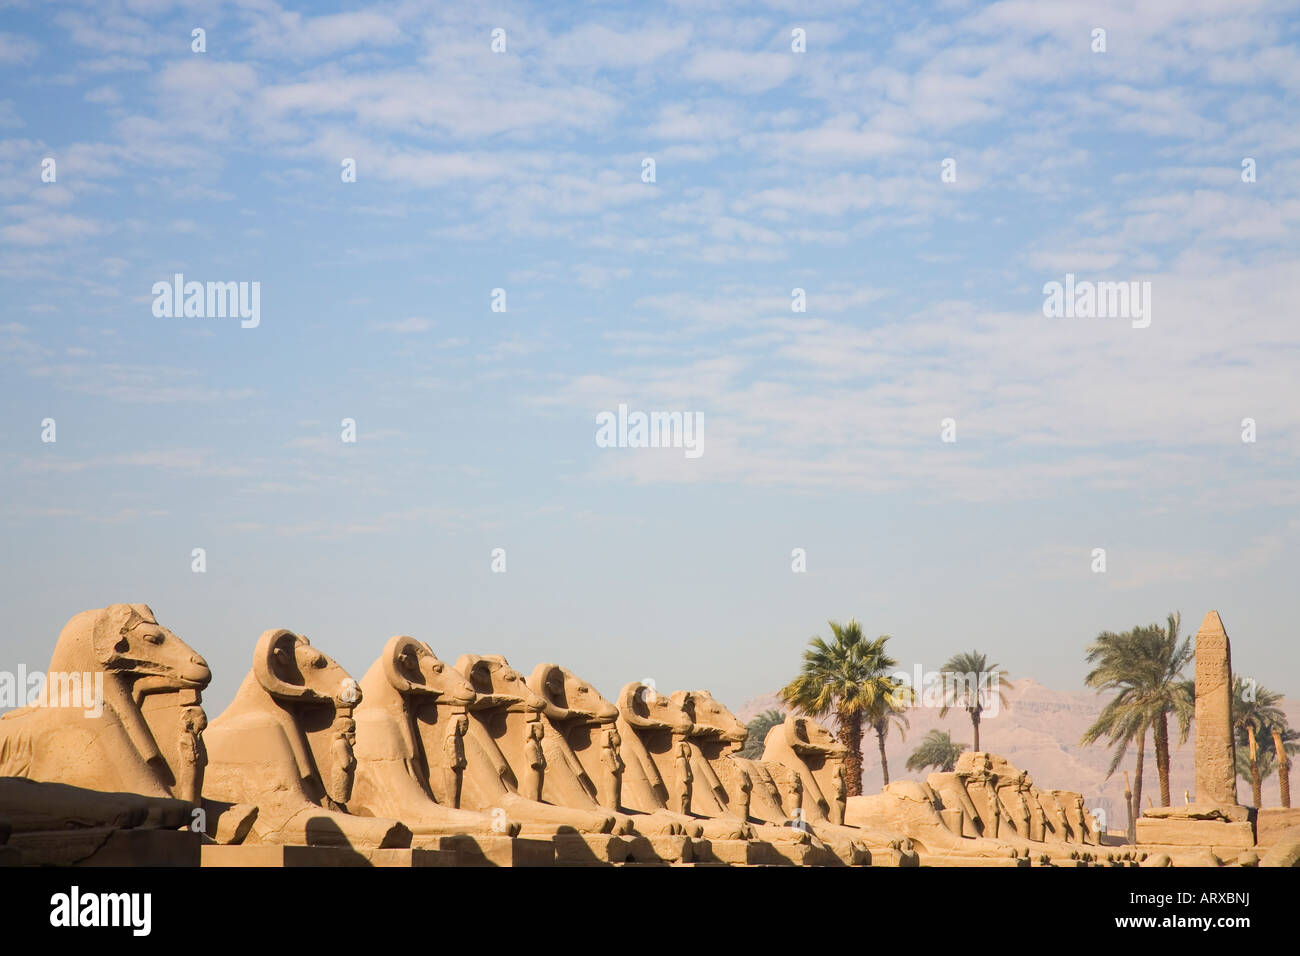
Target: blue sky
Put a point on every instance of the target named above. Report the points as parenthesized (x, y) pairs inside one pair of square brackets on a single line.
[(775, 170)]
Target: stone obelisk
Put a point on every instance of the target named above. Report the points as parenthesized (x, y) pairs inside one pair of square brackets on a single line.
[(1215, 823), (1216, 778)]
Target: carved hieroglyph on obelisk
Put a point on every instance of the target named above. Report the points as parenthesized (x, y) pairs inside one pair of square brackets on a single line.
[(1216, 780)]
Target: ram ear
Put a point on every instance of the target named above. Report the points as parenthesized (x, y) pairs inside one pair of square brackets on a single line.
[(795, 730), (108, 637), (548, 682), (276, 665), (478, 671), (401, 663), (632, 704)]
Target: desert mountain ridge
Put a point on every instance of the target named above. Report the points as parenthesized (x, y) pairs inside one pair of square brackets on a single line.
[(1039, 731)]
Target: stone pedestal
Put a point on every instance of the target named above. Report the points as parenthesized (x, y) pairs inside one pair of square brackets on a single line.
[(1275, 824), (1176, 832), (958, 859), (106, 847), (733, 852), (659, 849), (590, 849), (269, 855), (498, 850)]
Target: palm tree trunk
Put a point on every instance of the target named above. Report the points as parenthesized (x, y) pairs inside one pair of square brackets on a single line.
[(1128, 805), (884, 761), (1283, 769), (850, 734), (1162, 756), (1137, 774), (1255, 782), (975, 722)]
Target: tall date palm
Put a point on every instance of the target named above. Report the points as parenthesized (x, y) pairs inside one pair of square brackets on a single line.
[(1144, 667), (846, 676), (973, 684)]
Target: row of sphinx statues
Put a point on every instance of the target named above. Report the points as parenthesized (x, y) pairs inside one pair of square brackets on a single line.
[(422, 753)]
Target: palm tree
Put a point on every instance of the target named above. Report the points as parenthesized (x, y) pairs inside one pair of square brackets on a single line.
[(889, 708), (1145, 666), (1265, 758), (972, 683), (937, 750), (1169, 693), (845, 676), (1255, 712), (1282, 750), (758, 728)]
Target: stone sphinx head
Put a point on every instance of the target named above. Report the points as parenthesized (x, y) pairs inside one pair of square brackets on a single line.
[(294, 672), (126, 641), (976, 767), (567, 697), (414, 671), (496, 684), (321, 695), (645, 709), (808, 738), (710, 719)]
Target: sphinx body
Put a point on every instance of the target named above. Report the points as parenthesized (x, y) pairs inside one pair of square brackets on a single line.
[(816, 759), (127, 753), (583, 750), (914, 808), (504, 753), (998, 801), (1082, 827), (781, 799), (984, 809), (285, 745), (655, 731), (725, 787), (397, 713)]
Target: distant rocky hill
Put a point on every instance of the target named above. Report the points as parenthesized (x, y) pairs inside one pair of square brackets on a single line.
[(1039, 731)]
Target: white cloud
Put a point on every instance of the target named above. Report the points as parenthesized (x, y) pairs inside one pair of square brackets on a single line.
[(17, 50), (404, 326), (596, 45), (741, 71)]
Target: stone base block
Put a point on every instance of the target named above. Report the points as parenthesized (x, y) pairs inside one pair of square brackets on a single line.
[(1185, 832), (729, 852), (1223, 812), (590, 849), (659, 849), (100, 847), (1275, 824), (412, 857), (793, 854), (963, 860), (497, 850), (271, 855), (853, 854)]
